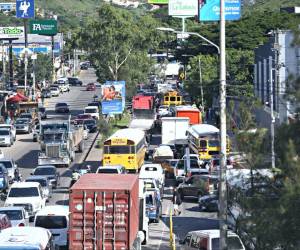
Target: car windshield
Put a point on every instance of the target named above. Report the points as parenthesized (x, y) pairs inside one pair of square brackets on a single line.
[(61, 104), (23, 192), (26, 116), (53, 137), (89, 122), (41, 181), (6, 164), (42, 109), (149, 200), (194, 164), (4, 132), (44, 171), (13, 214), (82, 116), (22, 121), (233, 243), (51, 222), (107, 171), (90, 110), (180, 165)]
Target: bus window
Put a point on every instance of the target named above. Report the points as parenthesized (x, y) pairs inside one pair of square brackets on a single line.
[(214, 143), (178, 98), (172, 98), (203, 144), (119, 149), (166, 98)]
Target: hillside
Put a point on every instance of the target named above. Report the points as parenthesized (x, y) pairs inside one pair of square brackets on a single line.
[(272, 5)]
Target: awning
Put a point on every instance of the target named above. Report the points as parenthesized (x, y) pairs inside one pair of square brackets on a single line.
[(17, 98)]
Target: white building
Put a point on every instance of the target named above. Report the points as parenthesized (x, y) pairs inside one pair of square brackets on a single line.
[(280, 58)]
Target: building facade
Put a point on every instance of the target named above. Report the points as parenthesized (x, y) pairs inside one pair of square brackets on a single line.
[(276, 61)]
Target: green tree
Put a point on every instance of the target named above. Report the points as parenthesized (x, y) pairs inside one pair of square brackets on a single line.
[(114, 37)]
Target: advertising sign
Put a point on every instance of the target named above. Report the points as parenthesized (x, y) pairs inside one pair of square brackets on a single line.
[(183, 7), (11, 32), (158, 1), (113, 97), (210, 10), (25, 8), (43, 27)]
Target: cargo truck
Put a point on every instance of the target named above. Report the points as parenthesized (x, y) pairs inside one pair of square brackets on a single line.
[(104, 213), (143, 114), (173, 130), (59, 140), (190, 112)]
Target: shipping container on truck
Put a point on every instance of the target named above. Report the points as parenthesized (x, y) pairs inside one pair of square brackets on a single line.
[(104, 212), (190, 112)]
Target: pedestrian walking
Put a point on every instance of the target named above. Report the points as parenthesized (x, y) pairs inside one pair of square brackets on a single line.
[(176, 202)]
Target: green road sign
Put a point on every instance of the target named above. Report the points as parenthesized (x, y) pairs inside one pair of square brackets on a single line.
[(158, 1), (43, 27)]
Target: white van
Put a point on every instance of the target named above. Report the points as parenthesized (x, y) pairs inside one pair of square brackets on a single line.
[(56, 220), (26, 238), (93, 111), (209, 240)]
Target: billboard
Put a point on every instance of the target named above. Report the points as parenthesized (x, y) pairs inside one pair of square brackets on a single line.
[(25, 8), (183, 7), (11, 32), (158, 1), (113, 97), (43, 27), (209, 10)]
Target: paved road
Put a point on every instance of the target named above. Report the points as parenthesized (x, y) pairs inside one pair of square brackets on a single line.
[(25, 151), (190, 219)]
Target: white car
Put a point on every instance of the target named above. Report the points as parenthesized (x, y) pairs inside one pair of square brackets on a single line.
[(163, 110), (153, 171), (11, 167), (16, 215), (6, 137), (54, 91), (14, 238), (93, 111), (113, 169), (194, 157), (28, 195), (63, 84), (56, 220), (11, 127)]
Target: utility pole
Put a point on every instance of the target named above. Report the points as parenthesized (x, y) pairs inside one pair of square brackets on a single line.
[(222, 187), (74, 61), (25, 55), (200, 79), (272, 118), (3, 63)]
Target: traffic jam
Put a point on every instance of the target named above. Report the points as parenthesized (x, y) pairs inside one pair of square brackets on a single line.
[(165, 155)]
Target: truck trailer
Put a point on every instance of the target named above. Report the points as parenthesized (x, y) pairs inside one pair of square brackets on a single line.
[(173, 130), (104, 213)]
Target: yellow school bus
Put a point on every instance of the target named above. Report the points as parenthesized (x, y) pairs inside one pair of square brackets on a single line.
[(204, 139), (126, 147), (172, 98)]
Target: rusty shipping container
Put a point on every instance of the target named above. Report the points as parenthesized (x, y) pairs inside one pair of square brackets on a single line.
[(104, 212)]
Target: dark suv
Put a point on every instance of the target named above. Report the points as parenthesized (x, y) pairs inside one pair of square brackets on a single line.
[(74, 81), (197, 186)]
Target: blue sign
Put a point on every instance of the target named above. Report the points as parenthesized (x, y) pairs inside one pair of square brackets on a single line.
[(25, 8), (209, 10), (113, 97)]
